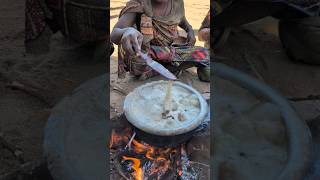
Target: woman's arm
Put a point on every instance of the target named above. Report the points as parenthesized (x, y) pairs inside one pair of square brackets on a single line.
[(123, 33), (125, 21), (184, 24)]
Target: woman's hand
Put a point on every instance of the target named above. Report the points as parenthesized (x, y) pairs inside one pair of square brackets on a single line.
[(184, 24), (131, 41), (204, 34), (191, 37)]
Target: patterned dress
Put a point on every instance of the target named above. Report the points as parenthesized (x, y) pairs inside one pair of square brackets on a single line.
[(39, 15)]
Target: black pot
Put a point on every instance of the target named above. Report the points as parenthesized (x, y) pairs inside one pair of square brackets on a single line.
[(163, 141), (169, 141)]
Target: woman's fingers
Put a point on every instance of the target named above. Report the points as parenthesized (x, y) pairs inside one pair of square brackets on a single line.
[(136, 45), (127, 45), (132, 41), (140, 39)]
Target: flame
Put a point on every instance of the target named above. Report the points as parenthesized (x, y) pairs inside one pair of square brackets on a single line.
[(113, 138), (136, 167), (150, 153), (118, 138), (146, 160), (158, 156), (138, 147)]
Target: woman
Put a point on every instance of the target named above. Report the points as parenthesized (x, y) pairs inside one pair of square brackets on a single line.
[(151, 26)]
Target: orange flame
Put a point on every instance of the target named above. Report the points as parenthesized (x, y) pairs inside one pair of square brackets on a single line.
[(136, 167), (150, 153), (113, 139), (117, 138), (138, 147), (158, 161)]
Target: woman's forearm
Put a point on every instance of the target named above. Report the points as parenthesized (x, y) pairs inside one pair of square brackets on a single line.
[(191, 39), (116, 35), (184, 24), (125, 21)]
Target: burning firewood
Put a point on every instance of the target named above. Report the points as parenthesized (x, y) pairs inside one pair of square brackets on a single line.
[(140, 161), (134, 159), (130, 141)]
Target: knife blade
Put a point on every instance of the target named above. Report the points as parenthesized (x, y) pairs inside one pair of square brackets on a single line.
[(158, 67)]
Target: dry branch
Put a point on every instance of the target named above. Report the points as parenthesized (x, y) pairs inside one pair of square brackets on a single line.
[(35, 92)]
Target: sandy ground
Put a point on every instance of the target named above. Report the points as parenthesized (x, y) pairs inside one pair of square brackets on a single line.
[(195, 13)]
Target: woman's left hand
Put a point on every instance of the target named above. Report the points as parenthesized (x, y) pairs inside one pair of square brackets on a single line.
[(204, 34), (191, 38)]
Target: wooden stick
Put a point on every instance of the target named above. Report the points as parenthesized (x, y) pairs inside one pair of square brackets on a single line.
[(35, 92), (130, 142), (119, 89), (167, 100)]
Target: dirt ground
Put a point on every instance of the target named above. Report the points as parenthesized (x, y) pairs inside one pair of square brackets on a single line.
[(51, 76), (256, 49)]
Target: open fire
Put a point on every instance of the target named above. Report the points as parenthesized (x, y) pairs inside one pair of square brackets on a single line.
[(141, 161), (133, 159)]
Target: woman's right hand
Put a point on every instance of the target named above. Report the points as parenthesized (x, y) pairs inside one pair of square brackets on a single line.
[(131, 41)]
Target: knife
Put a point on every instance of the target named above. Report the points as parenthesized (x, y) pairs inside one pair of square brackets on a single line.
[(158, 67)]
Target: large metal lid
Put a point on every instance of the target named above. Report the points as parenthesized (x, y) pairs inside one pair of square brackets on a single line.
[(135, 111)]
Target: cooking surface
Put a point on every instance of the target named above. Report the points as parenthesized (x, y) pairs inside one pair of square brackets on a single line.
[(149, 104), (144, 108)]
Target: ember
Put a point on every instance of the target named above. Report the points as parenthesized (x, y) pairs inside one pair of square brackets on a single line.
[(118, 139), (134, 159), (142, 161)]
